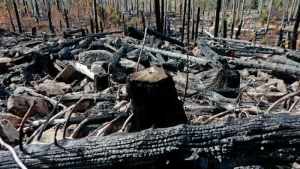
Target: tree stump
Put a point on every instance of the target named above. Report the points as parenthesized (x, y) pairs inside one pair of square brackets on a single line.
[(226, 80), (154, 100)]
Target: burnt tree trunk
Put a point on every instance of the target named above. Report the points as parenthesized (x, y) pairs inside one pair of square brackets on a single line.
[(295, 30), (154, 100), (24, 6), (269, 16), (225, 29), (183, 21), (217, 18), (159, 25), (197, 23), (10, 18), (162, 13), (66, 18), (95, 15), (37, 9), (92, 26), (50, 20), (233, 19), (17, 16), (188, 21)]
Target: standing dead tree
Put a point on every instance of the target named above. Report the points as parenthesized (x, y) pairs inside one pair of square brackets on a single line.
[(233, 19), (17, 16), (159, 23), (295, 30), (95, 15), (219, 3)]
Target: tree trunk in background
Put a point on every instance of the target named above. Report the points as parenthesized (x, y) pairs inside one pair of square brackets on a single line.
[(219, 3), (66, 18), (159, 25), (17, 16), (188, 21), (92, 25), (295, 30), (10, 18), (223, 11), (165, 15), (285, 8), (233, 19), (269, 16), (95, 15), (238, 9), (24, 5), (197, 23), (183, 21), (193, 19), (225, 29), (32, 6), (37, 8), (49, 17), (291, 10), (162, 13), (238, 33), (261, 7)]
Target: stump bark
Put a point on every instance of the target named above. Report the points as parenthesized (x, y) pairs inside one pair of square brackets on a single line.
[(154, 100)]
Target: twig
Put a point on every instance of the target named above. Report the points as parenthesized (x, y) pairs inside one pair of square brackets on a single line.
[(125, 123), (239, 97), (68, 118), (28, 113), (80, 126), (282, 99), (55, 134), (293, 105), (215, 116), (50, 121), (127, 120), (14, 154), (103, 128), (141, 52), (47, 120)]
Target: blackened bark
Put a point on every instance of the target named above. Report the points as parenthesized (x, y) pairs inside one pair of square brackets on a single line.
[(183, 21), (159, 24), (66, 18), (95, 15), (295, 30), (267, 140), (154, 100), (217, 18), (17, 16)]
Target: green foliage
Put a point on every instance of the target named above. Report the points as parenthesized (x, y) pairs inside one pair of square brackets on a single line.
[(254, 4), (278, 3), (227, 15), (130, 23), (263, 18)]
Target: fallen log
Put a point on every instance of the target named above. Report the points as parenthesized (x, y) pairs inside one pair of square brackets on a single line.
[(192, 59), (218, 59), (135, 33), (267, 140)]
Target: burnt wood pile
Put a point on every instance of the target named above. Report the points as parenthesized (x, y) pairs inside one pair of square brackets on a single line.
[(132, 99)]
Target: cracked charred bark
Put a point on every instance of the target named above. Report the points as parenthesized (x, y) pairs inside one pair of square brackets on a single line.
[(266, 140)]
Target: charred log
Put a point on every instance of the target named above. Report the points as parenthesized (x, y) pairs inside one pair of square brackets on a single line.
[(267, 140)]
